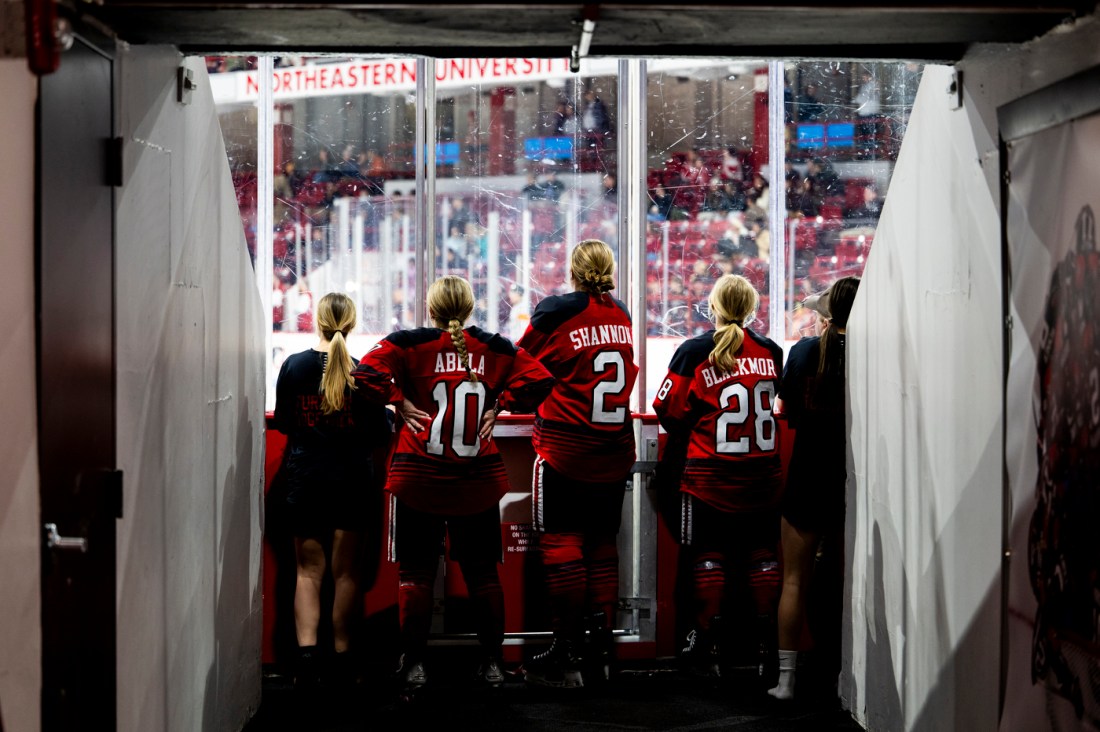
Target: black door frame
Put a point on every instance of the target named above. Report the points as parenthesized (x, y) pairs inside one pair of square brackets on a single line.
[(80, 489)]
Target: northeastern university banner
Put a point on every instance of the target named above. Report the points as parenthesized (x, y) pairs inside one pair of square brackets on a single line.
[(1053, 430)]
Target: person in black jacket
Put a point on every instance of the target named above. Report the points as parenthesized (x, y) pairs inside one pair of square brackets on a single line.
[(813, 398), (328, 470)]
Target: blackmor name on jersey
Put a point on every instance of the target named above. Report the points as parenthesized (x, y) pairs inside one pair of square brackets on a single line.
[(447, 362), (745, 367), (599, 335)]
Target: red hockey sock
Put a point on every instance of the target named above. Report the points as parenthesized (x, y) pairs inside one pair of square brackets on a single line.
[(709, 584)]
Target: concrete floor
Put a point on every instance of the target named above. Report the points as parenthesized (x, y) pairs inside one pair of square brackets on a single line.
[(650, 695)]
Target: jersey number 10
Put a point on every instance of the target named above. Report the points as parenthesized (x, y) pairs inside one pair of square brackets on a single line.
[(465, 392)]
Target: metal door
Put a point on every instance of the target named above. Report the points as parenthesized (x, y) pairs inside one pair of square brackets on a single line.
[(80, 490)]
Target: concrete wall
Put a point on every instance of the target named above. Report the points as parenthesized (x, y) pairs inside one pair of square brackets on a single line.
[(20, 631), (190, 418), (922, 631)]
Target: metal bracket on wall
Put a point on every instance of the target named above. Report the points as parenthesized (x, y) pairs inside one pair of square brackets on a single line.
[(955, 91), (184, 85), (642, 604)]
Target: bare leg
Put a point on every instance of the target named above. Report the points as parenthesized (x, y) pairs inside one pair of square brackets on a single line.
[(798, 557), (345, 576), (307, 592)]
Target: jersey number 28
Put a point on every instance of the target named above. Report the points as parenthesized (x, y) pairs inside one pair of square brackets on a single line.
[(763, 397)]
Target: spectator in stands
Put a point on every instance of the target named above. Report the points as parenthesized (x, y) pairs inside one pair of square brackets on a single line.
[(610, 188), (663, 207), (324, 168), (866, 101), (557, 119), (473, 142), (595, 118), (455, 247), (821, 182), (731, 166), (756, 191), (810, 108), (569, 124), (871, 208), (533, 191), (552, 187), (761, 237), (793, 182), (716, 202), (519, 313), (460, 215), (347, 167), (695, 171), (286, 186)]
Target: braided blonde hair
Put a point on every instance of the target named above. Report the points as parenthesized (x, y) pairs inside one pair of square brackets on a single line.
[(733, 299), (335, 318), (591, 267), (451, 302)]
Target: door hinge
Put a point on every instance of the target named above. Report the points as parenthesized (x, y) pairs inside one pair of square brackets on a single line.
[(112, 492), (114, 162)]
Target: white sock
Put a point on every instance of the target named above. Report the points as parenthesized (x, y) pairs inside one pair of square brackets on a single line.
[(787, 663)]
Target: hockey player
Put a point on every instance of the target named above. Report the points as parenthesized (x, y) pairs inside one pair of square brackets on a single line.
[(716, 404), (448, 383), (584, 444)]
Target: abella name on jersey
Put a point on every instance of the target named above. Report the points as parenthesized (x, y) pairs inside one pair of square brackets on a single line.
[(447, 362), (745, 367), (598, 335)]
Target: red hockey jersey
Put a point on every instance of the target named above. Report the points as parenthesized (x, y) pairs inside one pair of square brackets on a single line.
[(447, 468), (583, 429), (733, 460)]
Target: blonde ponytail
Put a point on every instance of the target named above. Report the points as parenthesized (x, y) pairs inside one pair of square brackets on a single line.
[(335, 317), (451, 302), (591, 267), (727, 340), (732, 300), (459, 339)]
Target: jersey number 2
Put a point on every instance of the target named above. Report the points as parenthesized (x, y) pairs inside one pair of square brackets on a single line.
[(610, 387), (463, 391)]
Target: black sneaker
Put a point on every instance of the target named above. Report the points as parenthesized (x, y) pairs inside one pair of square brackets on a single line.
[(600, 651), (411, 674), (557, 667), (489, 673), (700, 655), (307, 670)]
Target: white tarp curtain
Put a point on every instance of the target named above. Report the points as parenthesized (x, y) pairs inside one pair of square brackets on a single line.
[(190, 359), (924, 498), (1053, 415)]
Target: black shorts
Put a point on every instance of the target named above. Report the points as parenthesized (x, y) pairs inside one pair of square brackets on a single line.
[(561, 505), (814, 498), (323, 498), (417, 537), (706, 529)]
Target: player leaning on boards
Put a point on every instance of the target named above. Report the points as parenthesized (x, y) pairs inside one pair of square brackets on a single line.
[(723, 454), (448, 382), (584, 444)]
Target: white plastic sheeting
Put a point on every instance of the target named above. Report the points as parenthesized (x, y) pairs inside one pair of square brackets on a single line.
[(190, 414), (1055, 194), (20, 605), (921, 638)]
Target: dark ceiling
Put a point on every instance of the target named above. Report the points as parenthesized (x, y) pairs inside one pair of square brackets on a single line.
[(900, 30)]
